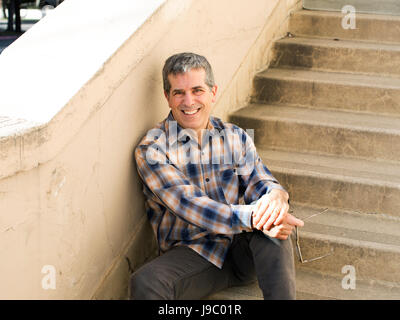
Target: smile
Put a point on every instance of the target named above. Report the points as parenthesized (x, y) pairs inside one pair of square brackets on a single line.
[(190, 112)]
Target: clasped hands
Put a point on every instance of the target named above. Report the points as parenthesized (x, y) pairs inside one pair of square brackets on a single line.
[(271, 215)]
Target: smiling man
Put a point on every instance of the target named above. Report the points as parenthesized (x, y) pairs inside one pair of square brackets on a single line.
[(219, 222), (190, 99)]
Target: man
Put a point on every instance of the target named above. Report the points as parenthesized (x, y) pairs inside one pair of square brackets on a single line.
[(221, 219)]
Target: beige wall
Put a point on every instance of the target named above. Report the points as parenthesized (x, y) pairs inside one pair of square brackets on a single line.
[(76, 202)]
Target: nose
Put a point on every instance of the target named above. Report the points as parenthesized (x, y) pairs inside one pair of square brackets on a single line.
[(188, 99)]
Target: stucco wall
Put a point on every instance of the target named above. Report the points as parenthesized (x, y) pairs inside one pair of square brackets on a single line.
[(72, 199)]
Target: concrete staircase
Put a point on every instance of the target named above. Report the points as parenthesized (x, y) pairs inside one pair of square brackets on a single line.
[(326, 115)]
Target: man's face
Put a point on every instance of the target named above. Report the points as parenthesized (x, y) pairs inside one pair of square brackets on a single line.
[(190, 99)]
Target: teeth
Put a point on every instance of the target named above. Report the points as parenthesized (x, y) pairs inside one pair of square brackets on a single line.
[(190, 112)]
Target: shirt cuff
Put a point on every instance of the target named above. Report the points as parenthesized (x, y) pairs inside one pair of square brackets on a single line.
[(242, 213), (276, 186)]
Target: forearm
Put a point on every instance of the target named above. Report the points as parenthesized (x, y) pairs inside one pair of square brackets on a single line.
[(170, 188)]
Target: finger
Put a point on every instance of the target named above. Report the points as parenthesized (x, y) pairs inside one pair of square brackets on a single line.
[(290, 219), (276, 234), (257, 205), (278, 230), (285, 229), (256, 208), (264, 205), (266, 215), (269, 233), (272, 218), (278, 215), (282, 214)]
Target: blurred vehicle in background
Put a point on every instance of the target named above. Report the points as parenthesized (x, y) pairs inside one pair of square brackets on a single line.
[(52, 3), (31, 4)]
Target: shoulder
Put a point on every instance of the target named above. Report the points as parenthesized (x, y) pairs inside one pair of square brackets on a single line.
[(152, 136), (222, 125), (230, 129)]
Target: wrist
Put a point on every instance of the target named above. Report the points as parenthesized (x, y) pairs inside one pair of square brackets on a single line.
[(282, 193)]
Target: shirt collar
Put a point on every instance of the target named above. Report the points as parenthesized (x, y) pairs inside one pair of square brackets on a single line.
[(213, 126)]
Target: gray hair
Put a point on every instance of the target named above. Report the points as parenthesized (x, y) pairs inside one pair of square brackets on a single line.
[(184, 62)]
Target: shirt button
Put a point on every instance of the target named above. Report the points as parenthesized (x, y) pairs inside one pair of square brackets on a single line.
[(207, 179)]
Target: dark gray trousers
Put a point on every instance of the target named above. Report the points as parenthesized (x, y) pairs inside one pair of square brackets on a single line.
[(181, 273)]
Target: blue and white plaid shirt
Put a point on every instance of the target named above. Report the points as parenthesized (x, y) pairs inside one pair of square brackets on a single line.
[(200, 196)]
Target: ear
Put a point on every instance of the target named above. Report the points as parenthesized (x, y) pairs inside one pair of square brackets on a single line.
[(214, 93), (166, 95)]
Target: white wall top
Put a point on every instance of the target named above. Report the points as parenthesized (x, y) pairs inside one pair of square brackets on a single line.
[(44, 68)]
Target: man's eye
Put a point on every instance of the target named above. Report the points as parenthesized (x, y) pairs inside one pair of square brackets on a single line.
[(198, 91), (178, 93)]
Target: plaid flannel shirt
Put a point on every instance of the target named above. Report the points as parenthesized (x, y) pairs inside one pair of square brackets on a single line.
[(201, 195)]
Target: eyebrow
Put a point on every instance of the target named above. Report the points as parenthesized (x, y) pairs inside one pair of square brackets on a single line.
[(198, 87), (193, 88)]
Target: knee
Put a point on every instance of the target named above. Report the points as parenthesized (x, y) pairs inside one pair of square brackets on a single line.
[(283, 253), (137, 286), (147, 285), (286, 246), (279, 279)]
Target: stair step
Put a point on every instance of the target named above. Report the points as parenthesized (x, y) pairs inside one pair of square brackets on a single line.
[(312, 285), (322, 131), (351, 184), (334, 239), (247, 292), (315, 285), (369, 27), (343, 56), (362, 6), (329, 90)]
